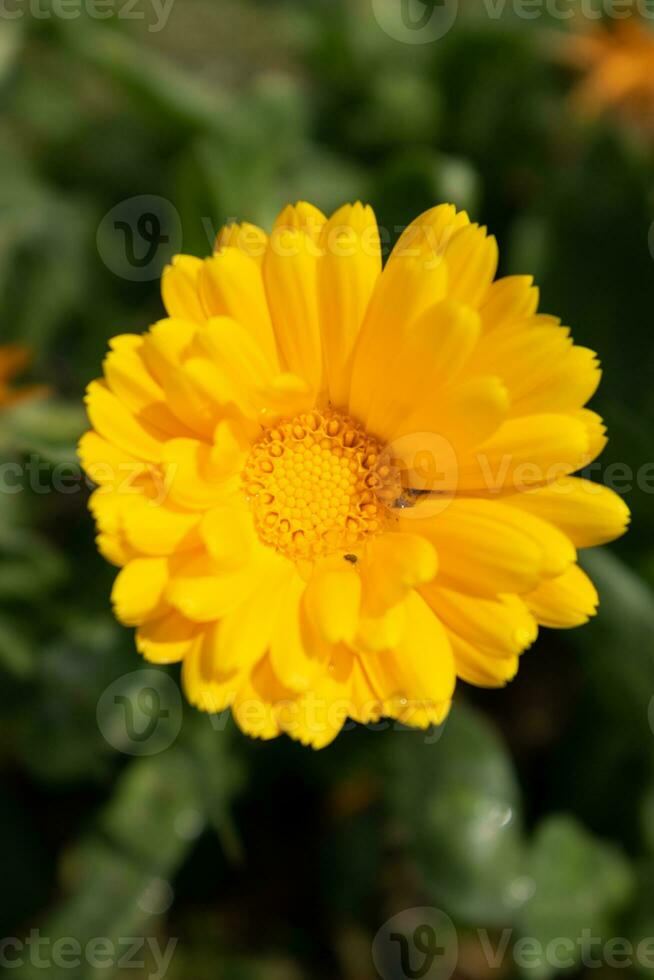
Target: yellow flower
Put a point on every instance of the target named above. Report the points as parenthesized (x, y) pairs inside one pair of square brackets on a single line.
[(332, 489), (618, 67), (13, 360)]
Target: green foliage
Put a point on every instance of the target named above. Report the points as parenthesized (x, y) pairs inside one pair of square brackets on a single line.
[(533, 809)]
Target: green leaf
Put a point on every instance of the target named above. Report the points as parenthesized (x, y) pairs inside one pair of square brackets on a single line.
[(48, 427), (620, 652), (459, 805), (147, 77), (17, 652), (579, 884), (11, 42), (118, 876), (641, 918)]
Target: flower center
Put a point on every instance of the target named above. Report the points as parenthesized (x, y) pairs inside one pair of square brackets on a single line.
[(318, 484)]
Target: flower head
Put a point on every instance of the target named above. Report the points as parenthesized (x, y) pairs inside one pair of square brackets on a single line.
[(332, 489), (13, 360), (618, 67)]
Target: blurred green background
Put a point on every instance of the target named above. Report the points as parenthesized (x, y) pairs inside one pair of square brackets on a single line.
[(534, 809)]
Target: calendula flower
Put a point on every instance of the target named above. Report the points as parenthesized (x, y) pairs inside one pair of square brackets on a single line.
[(618, 67), (13, 360), (332, 489)]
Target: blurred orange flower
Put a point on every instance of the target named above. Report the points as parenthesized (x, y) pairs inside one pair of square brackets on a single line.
[(14, 359), (618, 66)]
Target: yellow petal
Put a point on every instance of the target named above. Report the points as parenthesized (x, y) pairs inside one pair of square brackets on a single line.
[(108, 506), (416, 680), (192, 477), (382, 631), (522, 353), (256, 703), (347, 272), (129, 379), (114, 548), (524, 452), (303, 216), (595, 434), (202, 687), (167, 640), (190, 404), (180, 288), (237, 369), (243, 636), (229, 535), (293, 663), (105, 464), (318, 715), (203, 593), (570, 383), (465, 416), (509, 301), (570, 600), (481, 548), (471, 258), (165, 346), (231, 285), (429, 235), (393, 565), (589, 513), (290, 276), (332, 600), (248, 238), (499, 628), (117, 425), (414, 280), (155, 529), (479, 667), (428, 354), (138, 592)]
